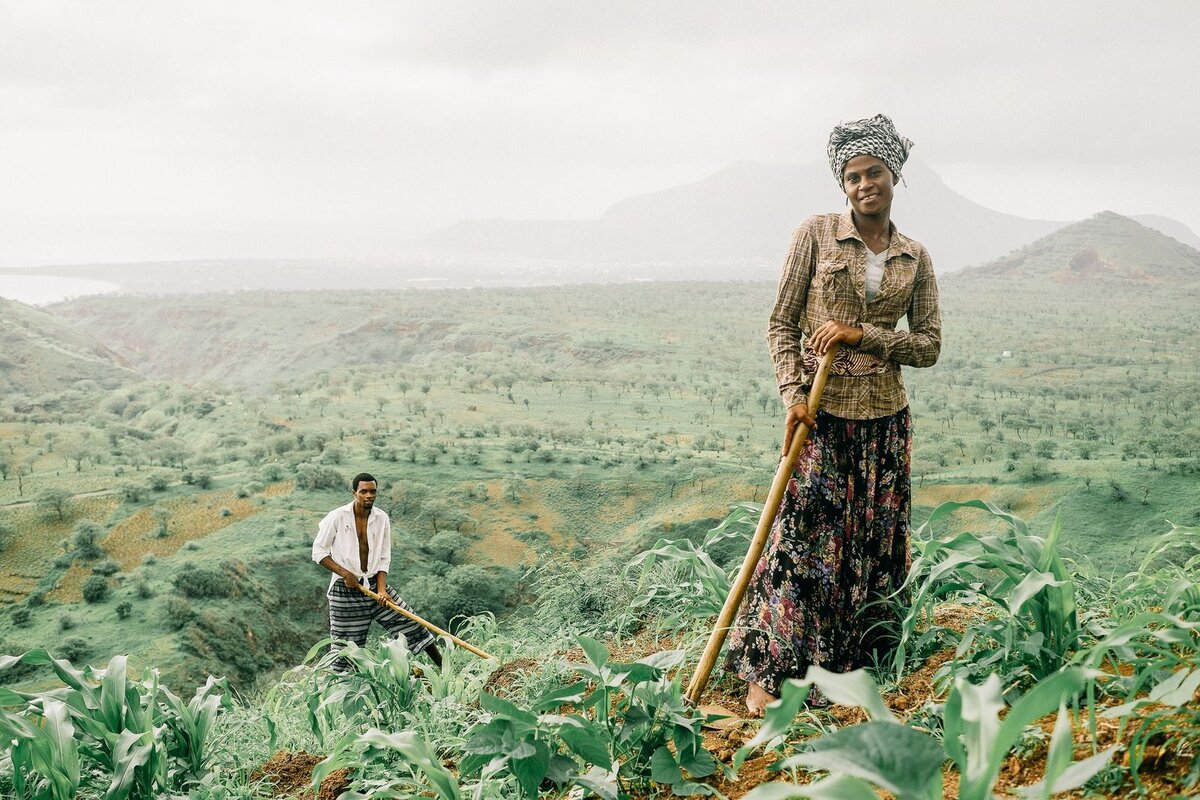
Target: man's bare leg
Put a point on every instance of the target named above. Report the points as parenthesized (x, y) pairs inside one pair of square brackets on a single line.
[(757, 699)]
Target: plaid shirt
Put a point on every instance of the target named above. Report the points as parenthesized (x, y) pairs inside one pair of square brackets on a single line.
[(825, 278)]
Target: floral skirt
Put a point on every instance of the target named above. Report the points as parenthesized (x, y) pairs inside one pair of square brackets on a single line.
[(838, 545)]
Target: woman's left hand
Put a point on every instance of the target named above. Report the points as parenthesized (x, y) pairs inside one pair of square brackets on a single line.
[(831, 333)]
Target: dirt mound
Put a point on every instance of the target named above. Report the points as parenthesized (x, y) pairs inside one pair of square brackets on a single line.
[(291, 775)]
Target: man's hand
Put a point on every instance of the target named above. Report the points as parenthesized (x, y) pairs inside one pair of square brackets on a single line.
[(795, 415), (834, 332), (382, 599), (351, 581)]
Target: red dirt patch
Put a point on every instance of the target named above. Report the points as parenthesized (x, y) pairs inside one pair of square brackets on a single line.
[(291, 776)]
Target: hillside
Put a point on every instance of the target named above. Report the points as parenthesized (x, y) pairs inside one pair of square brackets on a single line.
[(1104, 246), (41, 353)]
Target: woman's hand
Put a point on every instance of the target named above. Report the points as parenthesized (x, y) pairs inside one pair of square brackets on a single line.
[(795, 415), (831, 333)]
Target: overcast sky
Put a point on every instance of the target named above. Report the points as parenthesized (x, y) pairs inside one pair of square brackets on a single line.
[(165, 130)]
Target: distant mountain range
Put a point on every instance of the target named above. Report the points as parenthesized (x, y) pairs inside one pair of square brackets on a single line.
[(732, 225), (744, 213)]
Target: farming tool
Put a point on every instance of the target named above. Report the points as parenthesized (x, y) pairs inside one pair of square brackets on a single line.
[(770, 508), (424, 623)]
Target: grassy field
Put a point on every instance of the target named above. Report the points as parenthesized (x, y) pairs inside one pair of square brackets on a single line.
[(512, 427)]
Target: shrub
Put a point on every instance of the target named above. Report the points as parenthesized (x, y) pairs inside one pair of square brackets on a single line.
[(20, 616), (124, 609), (159, 481), (200, 582), (448, 546), (106, 567), (74, 649), (178, 611), (226, 512), (66, 622), (96, 589), (313, 477), (87, 536), (144, 592), (36, 598)]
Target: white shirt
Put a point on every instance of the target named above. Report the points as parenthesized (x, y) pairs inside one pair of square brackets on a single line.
[(338, 538), (875, 262)]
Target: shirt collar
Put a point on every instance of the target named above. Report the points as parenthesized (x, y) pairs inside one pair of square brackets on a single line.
[(349, 509), (899, 244)]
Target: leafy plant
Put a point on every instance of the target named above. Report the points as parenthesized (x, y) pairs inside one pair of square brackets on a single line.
[(106, 733), (681, 576), (887, 754), (1022, 575), (373, 752), (630, 727)]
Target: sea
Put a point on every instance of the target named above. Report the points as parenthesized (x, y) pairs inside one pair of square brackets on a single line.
[(40, 290)]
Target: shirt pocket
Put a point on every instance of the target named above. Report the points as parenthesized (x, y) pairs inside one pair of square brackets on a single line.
[(895, 293), (834, 290)]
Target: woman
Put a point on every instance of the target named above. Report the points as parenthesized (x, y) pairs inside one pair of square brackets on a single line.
[(840, 541)]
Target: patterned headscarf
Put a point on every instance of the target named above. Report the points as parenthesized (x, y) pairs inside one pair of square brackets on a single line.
[(876, 136)]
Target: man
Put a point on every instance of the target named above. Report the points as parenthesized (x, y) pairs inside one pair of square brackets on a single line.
[(354, 542)]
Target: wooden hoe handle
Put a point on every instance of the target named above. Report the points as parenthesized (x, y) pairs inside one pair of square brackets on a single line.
[(424, 623), (770, 508)]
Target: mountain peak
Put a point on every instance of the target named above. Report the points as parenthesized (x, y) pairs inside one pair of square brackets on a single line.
[(1105, 245)]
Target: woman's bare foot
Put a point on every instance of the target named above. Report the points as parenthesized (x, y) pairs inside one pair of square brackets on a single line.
[(757, 699)]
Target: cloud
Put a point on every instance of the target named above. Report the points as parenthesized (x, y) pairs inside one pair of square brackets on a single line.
[(423, 113)]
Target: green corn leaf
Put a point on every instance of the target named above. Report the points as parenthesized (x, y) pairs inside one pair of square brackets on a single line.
[(1074, 776), (129, 756), (112, 694), (971, 721), (894, 757), (1178, 689), (835, 787), (1043, 698), (1061, 751), (417, 752), (59, 757), (777, 718), (851, 689), (1033, 583)]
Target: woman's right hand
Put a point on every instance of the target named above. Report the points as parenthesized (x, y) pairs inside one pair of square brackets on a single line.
[(795, 415)]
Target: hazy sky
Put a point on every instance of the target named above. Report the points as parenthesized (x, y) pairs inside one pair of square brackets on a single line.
[(167, 130)]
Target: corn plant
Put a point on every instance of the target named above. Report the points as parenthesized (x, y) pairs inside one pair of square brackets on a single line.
[(1173, 721), (377, 752), (630, 726), (888, 754), (680, 580), (1023, 575), (126, 739)]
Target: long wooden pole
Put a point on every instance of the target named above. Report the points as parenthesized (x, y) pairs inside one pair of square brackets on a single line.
[(424, 623), (770, 508)]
